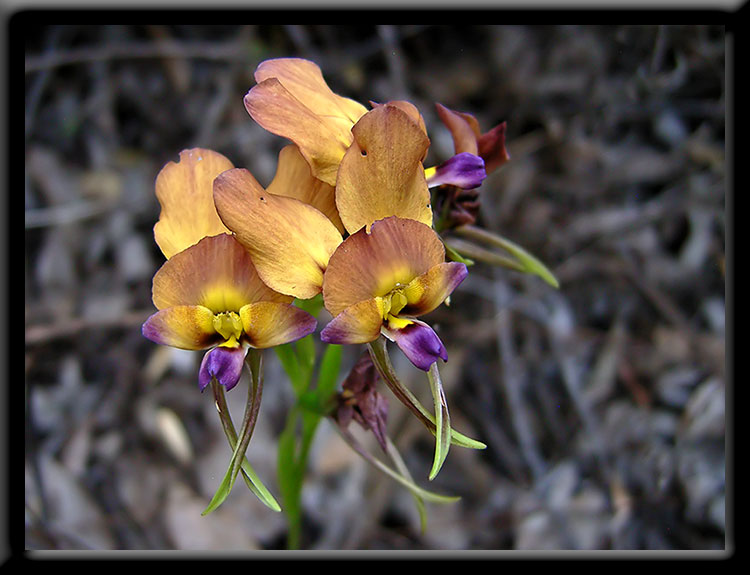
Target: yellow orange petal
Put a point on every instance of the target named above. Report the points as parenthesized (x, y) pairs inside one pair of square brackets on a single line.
[(268, 324), (289, 241), (185, 191), (381, 174), (322, 140), (427, 291), (410, 109), (370, 265), (305, 81), (182, 326), (294, 179), (359, 323), (216, 273)]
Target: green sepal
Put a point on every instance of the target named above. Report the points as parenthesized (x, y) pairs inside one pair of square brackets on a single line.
[(382, 362), (442, 420), (251, 479)]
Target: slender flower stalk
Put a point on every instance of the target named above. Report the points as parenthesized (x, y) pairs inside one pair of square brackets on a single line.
[(248, 473), (240, 443)]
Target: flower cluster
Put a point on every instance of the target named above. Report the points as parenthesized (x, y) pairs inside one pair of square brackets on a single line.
[(349, 212), (348, 216)]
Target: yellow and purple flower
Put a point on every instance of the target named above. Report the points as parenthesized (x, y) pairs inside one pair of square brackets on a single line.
[(380, 282), (208, 292)]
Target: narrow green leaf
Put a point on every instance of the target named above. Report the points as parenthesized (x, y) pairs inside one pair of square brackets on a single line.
[(482, 254), (328, 373), (289, 361), (286, 464), (305, 349), (290, 466), (442, 420), (528, 262), (382, 362)]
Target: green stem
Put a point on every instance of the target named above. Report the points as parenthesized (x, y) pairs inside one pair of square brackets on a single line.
[(312, 404), (405, 481)]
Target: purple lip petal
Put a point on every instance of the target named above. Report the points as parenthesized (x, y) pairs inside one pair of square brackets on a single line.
[(223, 363), (463, 170), (419, 343)]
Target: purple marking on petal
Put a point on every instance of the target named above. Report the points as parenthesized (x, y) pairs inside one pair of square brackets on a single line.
[(223, 363), (150, 331), (419, 343), (464, 170)]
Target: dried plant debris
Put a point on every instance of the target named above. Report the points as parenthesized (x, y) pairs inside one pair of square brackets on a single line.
[(602, 403)]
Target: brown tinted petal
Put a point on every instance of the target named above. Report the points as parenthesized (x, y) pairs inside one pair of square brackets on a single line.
[(369, 265), (216, 273), (294, 179), (381, 174), (305, 81), (289, 241), (463, 128)]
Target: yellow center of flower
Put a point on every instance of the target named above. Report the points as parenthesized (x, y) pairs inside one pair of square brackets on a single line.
[(393, 303), (229, 326), (429, 172)]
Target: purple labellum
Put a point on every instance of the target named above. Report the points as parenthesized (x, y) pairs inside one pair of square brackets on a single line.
[(419, 343), (223, 363), (463, 170)]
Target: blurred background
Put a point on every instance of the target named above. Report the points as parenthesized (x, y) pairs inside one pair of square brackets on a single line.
[(602, 403)]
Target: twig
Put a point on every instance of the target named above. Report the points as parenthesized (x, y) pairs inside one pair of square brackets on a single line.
[(512, 382), (34, 95), (395, 63), (38, 334), (64, 214), (226, 52)]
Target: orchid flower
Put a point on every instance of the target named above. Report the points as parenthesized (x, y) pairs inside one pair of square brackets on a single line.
[(468, 138), (457, 201), (381, 281), (209, 296), (208, 293), (289, 236)]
